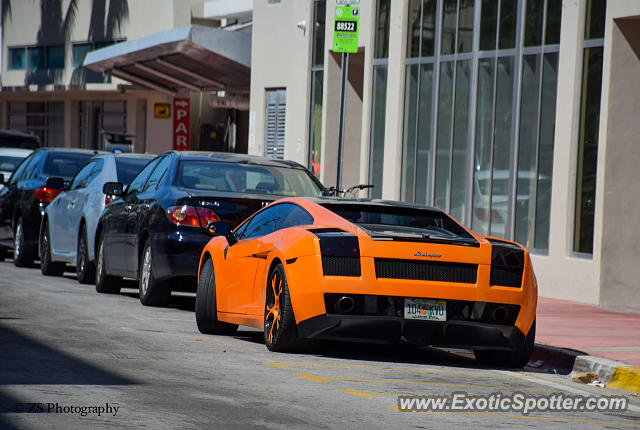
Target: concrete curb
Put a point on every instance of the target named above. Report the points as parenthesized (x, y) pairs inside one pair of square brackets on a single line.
[(613, 374)]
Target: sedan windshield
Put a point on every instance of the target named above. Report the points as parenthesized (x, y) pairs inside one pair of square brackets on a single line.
[(65, 164), (247, 178)]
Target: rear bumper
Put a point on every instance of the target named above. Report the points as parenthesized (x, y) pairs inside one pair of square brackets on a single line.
[(177, 254), (396, 329)]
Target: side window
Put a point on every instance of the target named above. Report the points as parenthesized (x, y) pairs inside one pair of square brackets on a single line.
[(80, 181), (275, 218), (18, 174), (138, 182), (297, 216), (158, 174), (28, 167), (95, 172)]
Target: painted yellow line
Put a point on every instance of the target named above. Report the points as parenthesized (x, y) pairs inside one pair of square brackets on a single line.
[(316, 378), (396, 369), (358, 393), (625, 378), (526, 417)]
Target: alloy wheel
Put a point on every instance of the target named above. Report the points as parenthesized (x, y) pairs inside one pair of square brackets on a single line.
[(146, 271), (17, 241), (273, 312)]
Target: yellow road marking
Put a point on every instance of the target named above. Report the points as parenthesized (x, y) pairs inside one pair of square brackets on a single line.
[(312, 377), (626, 378), (483, 414), (388, 381), (395, 369), (358, 393)]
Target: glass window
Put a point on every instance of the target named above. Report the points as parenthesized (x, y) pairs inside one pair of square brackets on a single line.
[(594, 22), (428, 27), (378, 112), (413, 31), (55, 57), (8, 163), (79, 51), (443, 139), (137, 184), (315, 124), (17, 59), (409, 146), (65, 164), (268, 221), (588, 150), (36, 58), (457, 205), (508, 12), (488, 22), (128, 167), (383, 8), (95, 172), (533, 23), (296, 216), (158, 174), (545, 152), (483, 146), (554, 16), (80, 180), (423, 144), (448, 32), (23, 168), (465, 25), (319, 14), (256, 179)]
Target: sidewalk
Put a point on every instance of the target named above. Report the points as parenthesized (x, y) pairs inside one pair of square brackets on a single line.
[(589, 329), (603, 341)]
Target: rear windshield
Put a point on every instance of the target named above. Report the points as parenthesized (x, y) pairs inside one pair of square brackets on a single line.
[(247, 178), (128, 168), (391, 220), (9, 164), (18, 142), (65, 164)]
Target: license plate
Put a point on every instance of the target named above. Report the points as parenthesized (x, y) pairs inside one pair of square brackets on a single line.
[(424, 309)]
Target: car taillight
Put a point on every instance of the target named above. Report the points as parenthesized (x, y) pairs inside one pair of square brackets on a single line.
[(194, 217), (107, 200), (206, 216), (46, 195)]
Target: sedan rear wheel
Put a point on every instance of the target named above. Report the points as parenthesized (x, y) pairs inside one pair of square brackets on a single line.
[(105, 283), (280, 329), (152, 292), (48, 267), (22, 256), (85, 269)]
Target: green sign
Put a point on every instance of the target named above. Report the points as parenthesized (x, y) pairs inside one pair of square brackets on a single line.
[(345, 29)]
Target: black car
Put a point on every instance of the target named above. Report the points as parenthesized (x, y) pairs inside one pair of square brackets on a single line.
[(18, 139), (26, 195), (156, 231)]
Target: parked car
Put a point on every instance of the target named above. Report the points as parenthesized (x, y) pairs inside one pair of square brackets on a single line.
[(155, 231), (67, 233), (18, 139), (372, 271), (10, 158), (27, 194)]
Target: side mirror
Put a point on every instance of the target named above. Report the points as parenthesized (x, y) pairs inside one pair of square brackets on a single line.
[(55, 183), (220, 228), (113, 189)]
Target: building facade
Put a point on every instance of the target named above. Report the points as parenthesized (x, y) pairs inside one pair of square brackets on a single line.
[(46, 90), (519, 117)]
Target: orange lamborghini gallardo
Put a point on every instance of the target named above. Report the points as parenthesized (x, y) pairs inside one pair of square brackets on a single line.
[(368, 271)]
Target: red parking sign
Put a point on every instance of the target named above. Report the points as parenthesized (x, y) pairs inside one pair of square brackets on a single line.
[(181, 124)]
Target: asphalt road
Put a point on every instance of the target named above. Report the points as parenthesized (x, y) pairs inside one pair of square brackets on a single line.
[(62, 343)]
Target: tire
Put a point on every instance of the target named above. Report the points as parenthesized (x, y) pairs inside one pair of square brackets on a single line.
[(85, 269), (3, 253), (152, 292), (105, 284), (517, 358), (48, 267), (206, 305), (280, 329), (22, 256)]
